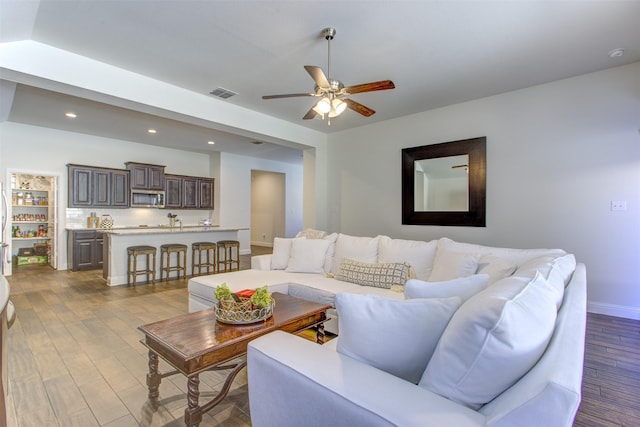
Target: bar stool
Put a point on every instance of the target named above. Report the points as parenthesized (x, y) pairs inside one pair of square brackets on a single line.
[(181, 259), (211, 258), (226, 257), (132, 263)]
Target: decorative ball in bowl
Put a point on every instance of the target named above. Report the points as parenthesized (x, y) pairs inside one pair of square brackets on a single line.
[(243, 307)]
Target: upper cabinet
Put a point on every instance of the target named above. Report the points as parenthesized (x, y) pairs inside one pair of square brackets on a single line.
[(145, 176), (188, 192), (97, 187)]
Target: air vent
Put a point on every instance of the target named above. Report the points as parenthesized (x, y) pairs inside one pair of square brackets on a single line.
[(223, 93)]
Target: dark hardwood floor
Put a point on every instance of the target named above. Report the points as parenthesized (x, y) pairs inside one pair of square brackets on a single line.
[(75, 358)]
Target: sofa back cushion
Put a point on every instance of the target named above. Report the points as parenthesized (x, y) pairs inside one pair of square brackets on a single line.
[(492, 340), (307, 255), (419, 255), (463, 287), (363, 249), (395, 336), (281, 252), (518, 256), (557, 271)]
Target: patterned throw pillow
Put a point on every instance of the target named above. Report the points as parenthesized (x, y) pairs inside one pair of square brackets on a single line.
[(380, 275)]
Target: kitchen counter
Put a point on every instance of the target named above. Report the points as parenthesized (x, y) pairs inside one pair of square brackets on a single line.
[(166, 230), (117, 240)]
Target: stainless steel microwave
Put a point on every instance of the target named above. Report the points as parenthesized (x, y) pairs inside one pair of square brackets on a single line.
[(147, 199)]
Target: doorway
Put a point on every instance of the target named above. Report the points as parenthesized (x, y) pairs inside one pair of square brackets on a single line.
[(268, 207), (34, 217)]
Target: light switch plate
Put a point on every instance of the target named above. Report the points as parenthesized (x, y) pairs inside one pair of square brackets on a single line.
[(618, 205)]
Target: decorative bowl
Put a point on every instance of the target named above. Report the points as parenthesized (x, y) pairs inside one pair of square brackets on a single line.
[(241, 313)]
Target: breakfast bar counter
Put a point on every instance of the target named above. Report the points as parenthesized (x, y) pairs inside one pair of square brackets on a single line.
[(117, 240)]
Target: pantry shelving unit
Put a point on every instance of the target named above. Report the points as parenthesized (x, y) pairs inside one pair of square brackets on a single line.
[(31, 225)]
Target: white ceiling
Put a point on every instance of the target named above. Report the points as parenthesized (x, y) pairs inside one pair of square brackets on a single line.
[(437, 53)]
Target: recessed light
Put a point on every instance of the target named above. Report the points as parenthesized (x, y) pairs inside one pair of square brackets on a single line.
[(71, 115), (211, 142), (151, 131), (616, 53)]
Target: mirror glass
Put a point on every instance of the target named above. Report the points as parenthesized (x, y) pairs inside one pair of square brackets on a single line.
[(445, 184), (442, 184)]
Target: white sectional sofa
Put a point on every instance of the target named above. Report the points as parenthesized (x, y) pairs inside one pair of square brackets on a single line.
[(481, 336)]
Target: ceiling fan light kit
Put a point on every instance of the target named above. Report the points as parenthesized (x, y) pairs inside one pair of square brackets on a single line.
[(333, 95)]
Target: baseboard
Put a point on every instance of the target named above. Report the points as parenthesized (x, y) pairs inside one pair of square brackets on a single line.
[(614, 310), (265, 244)]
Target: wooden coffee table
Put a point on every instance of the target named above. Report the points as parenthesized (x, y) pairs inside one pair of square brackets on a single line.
[(196, 342)]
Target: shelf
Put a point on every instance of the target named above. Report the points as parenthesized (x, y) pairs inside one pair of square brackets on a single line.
[(31, 238), (31, 222), (30, 206)]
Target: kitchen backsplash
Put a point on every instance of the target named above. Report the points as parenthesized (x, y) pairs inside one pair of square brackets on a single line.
[(77, 218)]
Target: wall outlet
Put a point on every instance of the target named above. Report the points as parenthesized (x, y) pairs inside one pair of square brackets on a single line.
[(264, 236), (618, 205)]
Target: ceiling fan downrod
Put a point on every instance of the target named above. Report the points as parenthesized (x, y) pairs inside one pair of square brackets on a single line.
[(329, 33)]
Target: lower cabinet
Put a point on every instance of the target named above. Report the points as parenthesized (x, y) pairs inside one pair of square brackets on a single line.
[(85, 249)]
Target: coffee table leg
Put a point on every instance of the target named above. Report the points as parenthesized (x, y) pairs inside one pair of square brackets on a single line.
[(153, 377), (193, 413), (320, 334)]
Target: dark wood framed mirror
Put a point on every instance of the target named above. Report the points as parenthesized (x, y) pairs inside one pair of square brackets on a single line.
[(445, 184)]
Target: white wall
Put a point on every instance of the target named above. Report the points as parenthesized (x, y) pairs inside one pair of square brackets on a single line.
[(235, 193), (557, 155)]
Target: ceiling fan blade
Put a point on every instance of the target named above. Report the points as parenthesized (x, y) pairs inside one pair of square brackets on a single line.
[(318, 76), (310, 114), (359, 108), (288, 95), (370, 87)]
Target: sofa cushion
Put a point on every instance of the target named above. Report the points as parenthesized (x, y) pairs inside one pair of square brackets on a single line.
[(497, 268), (395, 336), (330, 251), (380, 275), (451, 265), (557, 271), (418, 254), (463, 287), (307, 255), (492, 340), (519, 256), (363, 249), (280, 253)]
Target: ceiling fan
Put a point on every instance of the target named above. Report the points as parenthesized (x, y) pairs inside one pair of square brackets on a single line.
[(332, 93)]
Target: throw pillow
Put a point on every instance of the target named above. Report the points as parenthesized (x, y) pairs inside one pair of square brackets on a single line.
[(330, 252), (310, 233), (492, 340), (397, 337), (497, 268), (451, 265), (363, 249), (463, 287), (418, 254), (380, 275), (281, 252), (307, 256)]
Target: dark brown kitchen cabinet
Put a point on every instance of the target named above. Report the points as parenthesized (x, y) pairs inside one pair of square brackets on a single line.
[(172, 191), (91, 187), (85, 249), (206, 193), (145, 176), (188, 192)]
